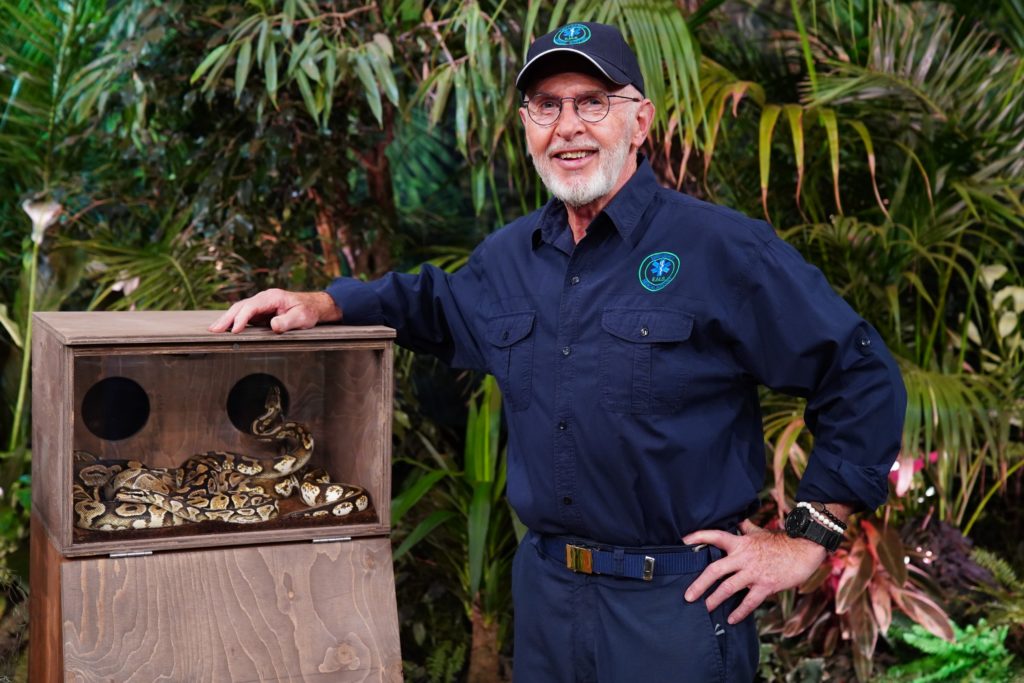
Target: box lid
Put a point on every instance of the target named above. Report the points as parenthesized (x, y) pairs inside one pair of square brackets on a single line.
[(160, 327)]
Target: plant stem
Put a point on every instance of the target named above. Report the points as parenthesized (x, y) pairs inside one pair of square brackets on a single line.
[(26, 349)]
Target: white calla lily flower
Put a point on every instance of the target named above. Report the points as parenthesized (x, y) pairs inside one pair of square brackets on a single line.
[(43, 214)]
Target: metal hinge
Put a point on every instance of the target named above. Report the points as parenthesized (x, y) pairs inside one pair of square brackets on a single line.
[(141, 553), (333, 539)]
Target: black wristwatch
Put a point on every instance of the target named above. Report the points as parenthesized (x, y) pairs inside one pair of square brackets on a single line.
[(800, 523)]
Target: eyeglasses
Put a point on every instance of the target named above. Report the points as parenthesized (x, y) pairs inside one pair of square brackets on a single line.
[(591, 107)]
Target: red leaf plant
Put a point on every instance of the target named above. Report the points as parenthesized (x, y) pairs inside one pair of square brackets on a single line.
[(852, 596)]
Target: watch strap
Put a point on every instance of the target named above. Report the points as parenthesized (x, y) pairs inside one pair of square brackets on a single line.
[(822, 536)]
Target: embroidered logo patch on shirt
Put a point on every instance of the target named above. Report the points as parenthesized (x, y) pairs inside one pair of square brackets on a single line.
[(657, 270), (572, 34)]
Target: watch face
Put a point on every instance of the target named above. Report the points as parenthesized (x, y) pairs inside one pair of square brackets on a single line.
[(797, 522)]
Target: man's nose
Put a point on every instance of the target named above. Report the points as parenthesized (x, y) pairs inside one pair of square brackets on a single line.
[(569, 122)]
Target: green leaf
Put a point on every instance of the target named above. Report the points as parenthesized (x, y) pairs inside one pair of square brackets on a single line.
[(404, 501), (769, 115), (12, 327), (461, 111), (307, 95), (443, 84), (422, 530), (479, 520), (287, 25), (207, 63), (270, 72), (242, 68), (365, 74), (262, 42), (828, 120), (479, 187), (382, 68), (308, 64), (795, 114)]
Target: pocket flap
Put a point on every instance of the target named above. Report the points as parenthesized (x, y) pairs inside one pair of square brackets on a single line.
[(505, 330), (649, 325)]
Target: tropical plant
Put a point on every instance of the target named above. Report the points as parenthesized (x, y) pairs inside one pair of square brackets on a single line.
[(853, 596), (470, 526), (1006, 592), (924, 114), (976, 654)]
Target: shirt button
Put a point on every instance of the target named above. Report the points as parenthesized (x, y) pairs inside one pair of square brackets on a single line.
[(644, 331), (567, 500), (566, 350), (575, 279), (562, 426), (863, 342), (504, 335)]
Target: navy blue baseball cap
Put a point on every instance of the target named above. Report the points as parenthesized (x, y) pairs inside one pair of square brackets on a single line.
[(586, 47)]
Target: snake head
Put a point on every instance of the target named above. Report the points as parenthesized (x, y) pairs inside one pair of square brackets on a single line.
[(273, 402), (268, 423)]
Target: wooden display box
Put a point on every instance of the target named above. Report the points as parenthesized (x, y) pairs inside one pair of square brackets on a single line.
[(289, 599)]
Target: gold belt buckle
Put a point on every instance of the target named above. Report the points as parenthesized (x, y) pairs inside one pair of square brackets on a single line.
[(579, 559), (648, 568)]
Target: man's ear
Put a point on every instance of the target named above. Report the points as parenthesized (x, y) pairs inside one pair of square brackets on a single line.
[(644, 119), (522, 115)]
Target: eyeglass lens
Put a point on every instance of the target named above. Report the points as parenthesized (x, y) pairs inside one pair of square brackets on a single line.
[(591, 107)]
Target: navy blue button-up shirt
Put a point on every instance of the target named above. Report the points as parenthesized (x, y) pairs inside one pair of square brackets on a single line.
[(629, 363)]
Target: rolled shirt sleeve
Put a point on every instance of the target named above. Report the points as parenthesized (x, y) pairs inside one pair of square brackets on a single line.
[(797, 336)]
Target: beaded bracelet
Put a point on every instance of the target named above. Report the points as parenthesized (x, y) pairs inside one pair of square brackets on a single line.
[(825, 511), (829, 521)]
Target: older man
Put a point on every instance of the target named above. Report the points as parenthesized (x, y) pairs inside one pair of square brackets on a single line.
[(629, 326)]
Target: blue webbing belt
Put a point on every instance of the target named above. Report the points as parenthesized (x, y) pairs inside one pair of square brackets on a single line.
[(634, 563)]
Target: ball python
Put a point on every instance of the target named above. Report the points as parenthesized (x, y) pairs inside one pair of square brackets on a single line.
[(112, 495)]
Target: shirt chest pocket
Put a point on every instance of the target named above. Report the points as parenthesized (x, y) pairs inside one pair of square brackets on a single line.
[(645, 362), (510, 338)]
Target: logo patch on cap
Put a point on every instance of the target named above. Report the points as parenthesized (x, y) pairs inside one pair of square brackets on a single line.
[(572, 34), (657, 270)]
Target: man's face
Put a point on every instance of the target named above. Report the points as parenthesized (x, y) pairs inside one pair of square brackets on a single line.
[(582, 162)]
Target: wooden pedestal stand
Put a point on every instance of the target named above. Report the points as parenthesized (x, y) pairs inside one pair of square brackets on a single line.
[(285, 600)]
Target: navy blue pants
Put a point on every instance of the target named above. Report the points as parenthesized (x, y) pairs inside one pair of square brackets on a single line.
[(580, 628)]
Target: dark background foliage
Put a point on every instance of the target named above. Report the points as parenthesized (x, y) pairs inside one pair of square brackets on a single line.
[(199, 153)]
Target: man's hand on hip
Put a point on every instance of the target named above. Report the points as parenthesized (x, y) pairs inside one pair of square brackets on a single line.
[(764, 562), (285, 311)]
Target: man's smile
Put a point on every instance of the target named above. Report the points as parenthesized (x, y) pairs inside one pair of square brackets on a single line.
[(573, 159)]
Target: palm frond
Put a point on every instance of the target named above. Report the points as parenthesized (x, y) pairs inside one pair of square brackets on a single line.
[(178, 272)]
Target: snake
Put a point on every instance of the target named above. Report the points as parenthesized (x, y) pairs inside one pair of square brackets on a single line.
[(114, 495)]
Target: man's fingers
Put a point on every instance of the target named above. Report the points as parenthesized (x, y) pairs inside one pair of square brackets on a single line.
[(222, 323), (248, 310), (719, 539), (753, 599), (295, 318), (712, 573), (726, 590)]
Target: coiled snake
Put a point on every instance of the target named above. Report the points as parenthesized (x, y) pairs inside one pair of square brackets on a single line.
[(111, 495)]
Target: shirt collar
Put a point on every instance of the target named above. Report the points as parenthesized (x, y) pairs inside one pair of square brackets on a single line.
[(624, 210)]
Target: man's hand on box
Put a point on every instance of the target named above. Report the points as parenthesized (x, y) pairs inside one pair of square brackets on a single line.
[(283, 310)]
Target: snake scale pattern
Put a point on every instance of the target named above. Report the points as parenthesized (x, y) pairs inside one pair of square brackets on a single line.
[(113, 495)]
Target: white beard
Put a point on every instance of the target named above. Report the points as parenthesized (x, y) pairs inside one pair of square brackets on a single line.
[(580, 190)]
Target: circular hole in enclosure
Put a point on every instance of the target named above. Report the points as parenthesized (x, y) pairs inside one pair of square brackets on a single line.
[(115, 408), (247, 400)]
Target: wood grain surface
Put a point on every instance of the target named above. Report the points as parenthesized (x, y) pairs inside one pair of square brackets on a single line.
[(45, 641), (148, 327), (51, 431), (294, 612)]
